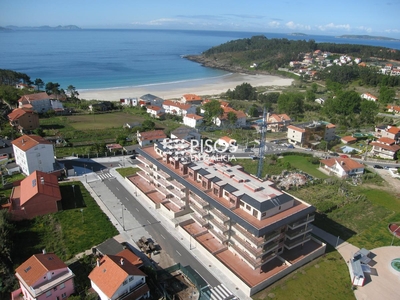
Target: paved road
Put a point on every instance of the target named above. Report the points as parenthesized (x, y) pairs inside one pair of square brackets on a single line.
[(153, 226)]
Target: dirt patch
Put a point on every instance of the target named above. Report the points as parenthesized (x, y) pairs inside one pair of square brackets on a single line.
[(391, 184)]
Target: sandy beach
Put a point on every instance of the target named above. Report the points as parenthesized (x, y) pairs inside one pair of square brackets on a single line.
[(201, 87)]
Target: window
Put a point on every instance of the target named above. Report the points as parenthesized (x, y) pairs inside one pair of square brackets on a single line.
[(255, 213), (64, 295), (130, 279), (226, 193), (48, 293), (125, 282), (241, 203), (280, 207), (263, 214), (62, 285), (248, 207)]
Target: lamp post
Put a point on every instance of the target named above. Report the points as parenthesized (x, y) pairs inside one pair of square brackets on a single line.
[(123, 222), (83, 221), (394, 233)]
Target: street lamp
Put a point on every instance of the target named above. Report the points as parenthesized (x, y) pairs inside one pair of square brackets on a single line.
[(123, 222), (83, 221)]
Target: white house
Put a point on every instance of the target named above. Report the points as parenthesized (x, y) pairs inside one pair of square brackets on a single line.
[(342, 167), (129, 101), (39, 102), (191, 99), (192, 120), (155, 111), (385, 148), (32, 152), (150, 137), (177, 108), (150, 99), (116, 277), (226, 142), (393, 109), (279, 122), (223, 119), (369, 97)]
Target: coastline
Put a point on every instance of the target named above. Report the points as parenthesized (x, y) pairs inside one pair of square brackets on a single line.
[(174, 90)]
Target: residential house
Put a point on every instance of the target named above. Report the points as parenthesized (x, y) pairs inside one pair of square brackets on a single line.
[(192, 120), (129, 101), (223, 120), (369, 97), (12, 168), (177, 108), (357, 60), (226, 142), (150, 137), (114, 147), (389, 131), (36, 195), (185, 133), (320, 101), (342, 167), (22, 86), (39, 102), (116, 277), (24, 119), (101, 106), (44, 276), (277, 123), (388, 66), (150, 99), (395, 72), (156, 112), (348, 139), (33, 152), (295, 64), (191, 99), (310, 134), (252, 224), (393, 109), (130, 149), (385, 148)]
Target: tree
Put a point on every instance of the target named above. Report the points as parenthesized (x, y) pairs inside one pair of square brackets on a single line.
[(9, 95), (39, 83), (253, 111), (52, 87), (314, 88), (212, 110), (148, 125), (386, 95), (310, 96), (232, 117), (243, 92), (291, 103), (73, 94), (369, 110)]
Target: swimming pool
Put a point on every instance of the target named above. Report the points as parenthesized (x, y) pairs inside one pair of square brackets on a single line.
[(348, 149)]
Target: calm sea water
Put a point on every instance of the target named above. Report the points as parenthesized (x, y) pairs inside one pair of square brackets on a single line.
[(97, 59)]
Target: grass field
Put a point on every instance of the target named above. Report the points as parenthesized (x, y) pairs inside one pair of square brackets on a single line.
[(125, 172), (302, 163), (324, 278), (78, 227)]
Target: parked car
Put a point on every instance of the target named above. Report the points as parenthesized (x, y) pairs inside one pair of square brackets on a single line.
[(378, 167), (290, 146)]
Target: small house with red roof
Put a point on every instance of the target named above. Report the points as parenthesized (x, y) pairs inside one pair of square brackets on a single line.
[(24, 119), (36, 195), (192, 120), (342, 167), (393, 109), (33, 152), (226, 142), (191, 99), (150, 137), (178, 108), (369, 97), (277, 123), (39, 102), (155, 111), (224, 118), (44, 276), (348, 139), (116, 277), (385, 148)]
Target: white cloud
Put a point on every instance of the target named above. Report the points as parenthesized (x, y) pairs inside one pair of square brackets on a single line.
[(274, 24), (333, 26), (367, 29), (392, 30), (293, 25)]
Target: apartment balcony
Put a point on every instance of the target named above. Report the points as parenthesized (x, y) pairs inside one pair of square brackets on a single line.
[(145, 177), (256, 252), (271, 236), (292, 234), (202, 212), (255, 263), (257, 241), (177, 194), (163, 174), (301, 222), (218, 225), (202, 222), (294, 243), (220, 215), (197, 199), (222, 238)]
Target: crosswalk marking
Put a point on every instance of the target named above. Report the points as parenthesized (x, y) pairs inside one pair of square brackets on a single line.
[(104, 176), (219, 292)]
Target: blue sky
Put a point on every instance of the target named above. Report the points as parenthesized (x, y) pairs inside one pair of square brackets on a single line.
[(370, 17)]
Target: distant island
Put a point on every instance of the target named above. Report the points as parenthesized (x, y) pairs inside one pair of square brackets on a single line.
[(297, 34), (4, 29), (367, 37), (45, 27)]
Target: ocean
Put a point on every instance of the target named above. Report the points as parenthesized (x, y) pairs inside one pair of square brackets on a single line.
[(112, 58)]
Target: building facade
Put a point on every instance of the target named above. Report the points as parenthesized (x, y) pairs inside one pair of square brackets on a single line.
[(32, 152), (309, 134), (192, 120), (23, 119)]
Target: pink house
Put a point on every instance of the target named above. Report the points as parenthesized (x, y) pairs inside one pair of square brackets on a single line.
[(44, 276)]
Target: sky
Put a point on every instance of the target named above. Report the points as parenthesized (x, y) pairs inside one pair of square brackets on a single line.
[(371, 17)]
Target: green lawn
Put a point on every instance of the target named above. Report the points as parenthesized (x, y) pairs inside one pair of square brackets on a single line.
[(302, 163), (78, 227), (324, 278), (125, 172)]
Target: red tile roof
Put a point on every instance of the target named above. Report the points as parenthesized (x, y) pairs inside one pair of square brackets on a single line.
[(33, 97), (27, 142), (296, 128), (393, 148), (39, 183), (330, 125), (386, 140), (348, 139), (393, 107), (346, 163), (152, 135), (111, 274), (393, 130), (153, 107), (182, 106), (37, 266), (192, 97), (17, 113), (194, 116)]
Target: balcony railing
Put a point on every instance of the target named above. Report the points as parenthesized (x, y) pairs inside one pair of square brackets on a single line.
[(199, 220), (219, 215), (256, 252), (291, 244), (200, 201), (291, 234), (202, 212), (220, 226), (271, 236), (222, 238), (257, 241), (253, 262), (301, 222)]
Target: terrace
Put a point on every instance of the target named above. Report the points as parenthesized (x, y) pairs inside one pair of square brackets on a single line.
[(220, 226), (294, 243), (202, 212), (199, 220)]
